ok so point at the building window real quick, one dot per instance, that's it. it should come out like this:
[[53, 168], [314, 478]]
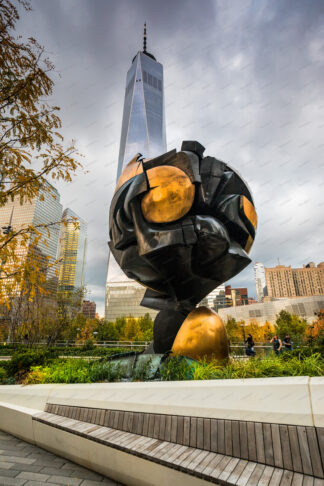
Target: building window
[[152, 80]]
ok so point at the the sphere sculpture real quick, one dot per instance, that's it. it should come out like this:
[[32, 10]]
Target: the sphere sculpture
[[181, 224]]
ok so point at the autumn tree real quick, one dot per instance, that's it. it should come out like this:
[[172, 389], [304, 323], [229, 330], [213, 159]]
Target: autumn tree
[[315, 332], [232, 329], [287, 323], [120, 323], [132, 330], [31, 145]]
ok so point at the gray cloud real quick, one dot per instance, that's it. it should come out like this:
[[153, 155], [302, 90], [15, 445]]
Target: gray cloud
[[245, 78]]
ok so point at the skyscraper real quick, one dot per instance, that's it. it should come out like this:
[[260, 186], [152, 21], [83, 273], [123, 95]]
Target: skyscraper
[[44, 209], [260, 281], [143, 131], [72, 254], [143, 125]]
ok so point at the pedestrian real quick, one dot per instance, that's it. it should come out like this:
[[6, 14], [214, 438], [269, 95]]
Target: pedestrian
[[249, 349], [287, 342], [276, 343]]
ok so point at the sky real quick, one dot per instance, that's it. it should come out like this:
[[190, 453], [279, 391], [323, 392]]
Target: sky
[[244, 78]]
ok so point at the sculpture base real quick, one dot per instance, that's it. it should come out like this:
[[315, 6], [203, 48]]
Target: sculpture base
[[202, 336]]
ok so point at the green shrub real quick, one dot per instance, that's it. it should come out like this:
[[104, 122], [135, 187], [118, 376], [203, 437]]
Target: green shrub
[[3, 375], [75, 371], [109, 371], [271, 365], [176, 368], [67, 371], [21, 362], [88, 345], [9, 350]]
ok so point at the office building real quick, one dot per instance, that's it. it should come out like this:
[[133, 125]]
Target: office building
[[124, 298], [282, 281], [72, 254], [260, 281], [143, 131], [216, 299], [237, 296], [44, 209], [89, 309], [305, 307]]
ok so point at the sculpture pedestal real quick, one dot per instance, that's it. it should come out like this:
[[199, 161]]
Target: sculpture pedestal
[[202, 336]]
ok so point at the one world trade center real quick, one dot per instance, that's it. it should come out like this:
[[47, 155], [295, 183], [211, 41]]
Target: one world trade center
[[143, 131]]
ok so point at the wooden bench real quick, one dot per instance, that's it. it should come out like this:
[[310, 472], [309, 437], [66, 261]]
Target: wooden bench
[[219, 451]]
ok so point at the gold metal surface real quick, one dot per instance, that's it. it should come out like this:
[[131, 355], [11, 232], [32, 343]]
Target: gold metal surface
[[248, 245], [133, 168], [249, 211], [170, 197], [202, 336]]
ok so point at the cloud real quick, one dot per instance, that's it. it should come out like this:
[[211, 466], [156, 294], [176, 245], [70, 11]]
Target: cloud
[[245, 78]]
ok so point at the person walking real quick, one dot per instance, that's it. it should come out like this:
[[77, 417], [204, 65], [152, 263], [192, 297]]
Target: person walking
[[287, 342], [249, 349], [276, 343]]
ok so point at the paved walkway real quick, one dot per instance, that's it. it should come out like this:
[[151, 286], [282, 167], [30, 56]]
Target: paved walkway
[[22, 464]]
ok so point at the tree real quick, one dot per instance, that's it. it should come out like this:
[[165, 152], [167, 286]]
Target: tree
[[132, 330], [260, 333], [31, 146], [87, 330], [120, 323], [315, 332], [233, 329], [287, 323], [146, 324], [107, 331]]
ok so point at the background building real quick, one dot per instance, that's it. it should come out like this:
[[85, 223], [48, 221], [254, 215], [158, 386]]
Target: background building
[[284, 281], [224, 296], [89, 309], [305, 307], [143, 131], [260, 281], [237, 296], [42, 210], [72, 254], [124, 299], [216, 299]]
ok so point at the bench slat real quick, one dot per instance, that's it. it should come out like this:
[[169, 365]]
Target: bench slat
[[314, 452], [266, 476], [304, 450], [295, 451]]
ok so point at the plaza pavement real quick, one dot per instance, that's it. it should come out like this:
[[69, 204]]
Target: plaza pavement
[[23, 464]]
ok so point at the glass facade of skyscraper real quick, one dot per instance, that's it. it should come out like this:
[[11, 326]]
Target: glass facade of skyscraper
[[143, 131], [45, 209], [72, 255], [260, 281], [143, 126]]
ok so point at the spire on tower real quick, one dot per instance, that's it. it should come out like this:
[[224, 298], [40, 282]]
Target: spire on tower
[[144, 46], [144, 38]]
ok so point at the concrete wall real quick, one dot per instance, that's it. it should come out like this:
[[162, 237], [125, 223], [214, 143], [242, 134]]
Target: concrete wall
[[291, 400], [267, 311]]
